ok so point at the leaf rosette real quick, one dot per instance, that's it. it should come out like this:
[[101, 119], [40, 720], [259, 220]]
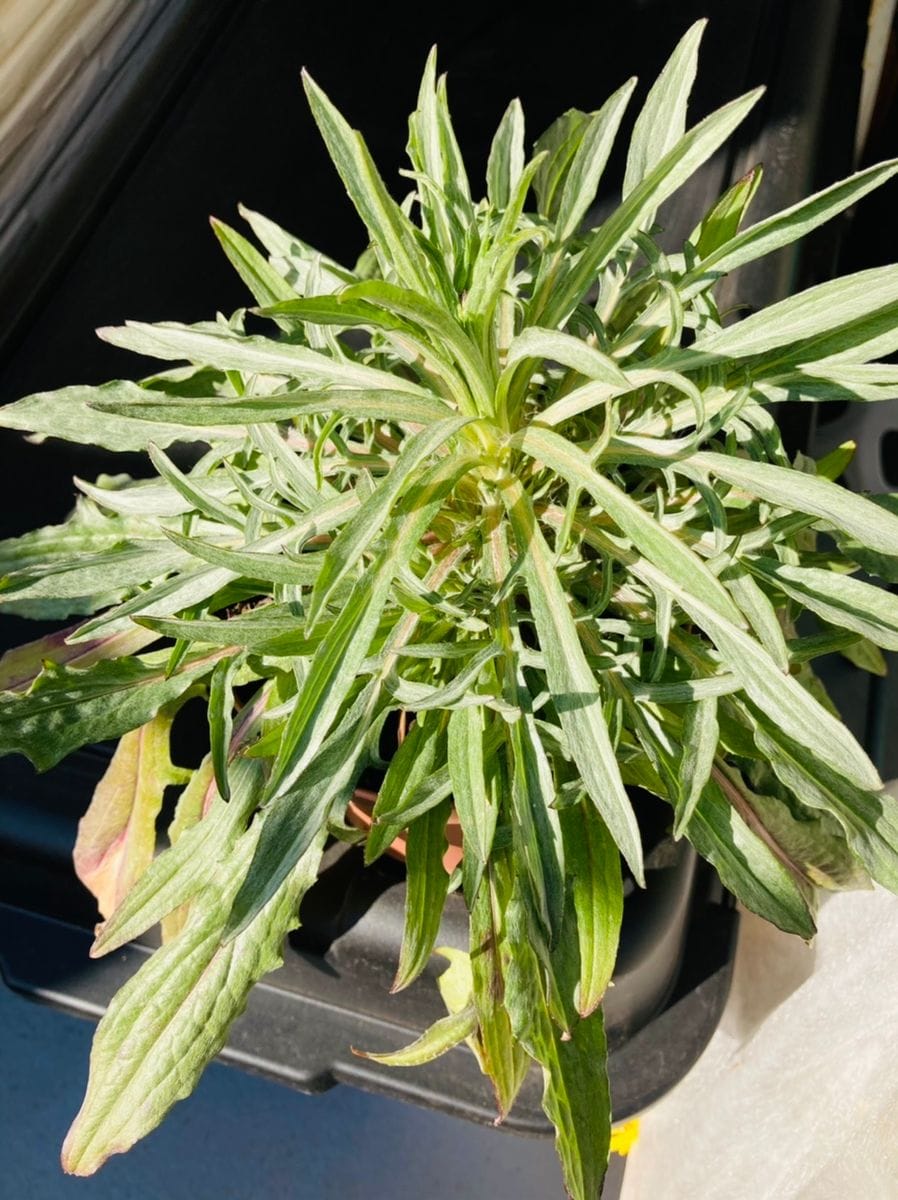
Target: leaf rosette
[[511, 476]]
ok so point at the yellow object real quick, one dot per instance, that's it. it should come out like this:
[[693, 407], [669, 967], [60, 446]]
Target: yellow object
[[624, 1137]]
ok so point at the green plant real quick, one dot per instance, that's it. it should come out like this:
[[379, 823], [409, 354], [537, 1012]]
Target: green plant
[[511, 474]]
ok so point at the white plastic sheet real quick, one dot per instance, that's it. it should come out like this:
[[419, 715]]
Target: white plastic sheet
[[796, 1097]]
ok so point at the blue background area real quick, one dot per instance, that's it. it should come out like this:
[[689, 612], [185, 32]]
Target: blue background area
[[240, 1137]]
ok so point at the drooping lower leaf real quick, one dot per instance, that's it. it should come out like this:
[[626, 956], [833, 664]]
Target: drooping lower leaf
[[67, 708], [117, 834], [173, 1016], [576, 1096]]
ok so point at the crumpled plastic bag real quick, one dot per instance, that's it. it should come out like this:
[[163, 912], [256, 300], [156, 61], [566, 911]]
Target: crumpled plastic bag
[[796, 1096]]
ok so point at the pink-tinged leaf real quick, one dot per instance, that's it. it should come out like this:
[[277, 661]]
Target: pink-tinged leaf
[[21, 666], [117, 835]]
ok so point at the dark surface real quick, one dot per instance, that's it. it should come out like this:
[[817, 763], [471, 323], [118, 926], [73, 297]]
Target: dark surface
[[241, 1138]]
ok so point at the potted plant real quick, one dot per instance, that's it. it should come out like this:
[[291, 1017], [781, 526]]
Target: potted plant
[[516, 479]]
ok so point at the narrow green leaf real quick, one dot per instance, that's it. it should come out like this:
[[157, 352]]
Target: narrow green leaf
[[205, 504], [839, 599], [761, 614], [474, 804], [810, 325], [293, 258], [300, 570], [533, 795], [792, 223], [572, 352], [426, 888], [571, 680], [107, 573], [189, 864], [678, 165], [701, 736], [67, 708], [871, 524], [747, 866], [441, 1036], [576, 1096], [69, 414], [339, 657], [667, 552], [391, 231], [502, 1058], [217, 346], [221, 718], [382, 404], [585, 171], [555, 148], [506, 159], [722, 223], [869, 818], [253, 630], [416, 780], [812, 839], [297, 817], [592, 863], [368, 521], [662, 120], [263, 281]]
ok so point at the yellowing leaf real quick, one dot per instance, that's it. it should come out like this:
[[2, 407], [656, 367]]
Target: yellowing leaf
[[117, 834]]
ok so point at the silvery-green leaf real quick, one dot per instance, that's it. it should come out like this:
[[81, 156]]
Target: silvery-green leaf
[[577, 695], [592, 862], [296, 818], [813, 324], [839, 599], [812, 838], [66, 708], [869, 818], [746, 865], [792, 223], [701, 736], [662, 120], [576, 1096], [585, 171], [368, 521], [69, 414], [184, 869], [476, 809], [506, 159], [392, 232], [667, 552], [501, 1056], [534, 342], [292, 258], [416, 780], [266, 285], [677, 165], [84, 574], [761, 614], [871, 524], [173, 1016], [229, 351]]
